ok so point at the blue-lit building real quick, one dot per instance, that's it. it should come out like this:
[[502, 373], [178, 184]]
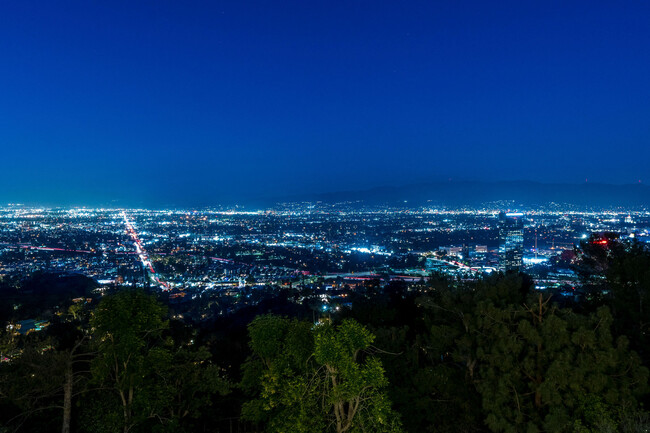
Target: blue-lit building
[[511, 241]]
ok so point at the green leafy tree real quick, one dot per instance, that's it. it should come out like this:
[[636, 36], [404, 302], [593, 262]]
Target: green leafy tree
[[43, 378], [448, 355], [540, 363], [428, 388], [536, 367], [616, 273], [127, 328], [193, 381], [353, 382], [31, 386], [316, 378], [628, 278]]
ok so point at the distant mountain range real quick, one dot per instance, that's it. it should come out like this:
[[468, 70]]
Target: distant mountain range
[[473, 193]]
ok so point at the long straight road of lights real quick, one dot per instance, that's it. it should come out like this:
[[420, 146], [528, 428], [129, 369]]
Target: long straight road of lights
[[142, 253]]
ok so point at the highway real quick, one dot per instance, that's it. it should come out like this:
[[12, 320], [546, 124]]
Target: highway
[[142, 253]]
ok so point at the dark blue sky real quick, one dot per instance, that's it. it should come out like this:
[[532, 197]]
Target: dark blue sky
[[173, 102]]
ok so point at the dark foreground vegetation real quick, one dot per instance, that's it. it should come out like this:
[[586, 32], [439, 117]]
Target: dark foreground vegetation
[[454, 356]]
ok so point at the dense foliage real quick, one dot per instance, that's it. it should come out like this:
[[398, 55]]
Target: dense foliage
[[321, 377], [445, 356]]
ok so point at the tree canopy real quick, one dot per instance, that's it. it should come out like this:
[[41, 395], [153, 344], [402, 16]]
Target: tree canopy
[[321, 377]]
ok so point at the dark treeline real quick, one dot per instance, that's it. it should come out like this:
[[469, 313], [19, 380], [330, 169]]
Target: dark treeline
[[448, 356]]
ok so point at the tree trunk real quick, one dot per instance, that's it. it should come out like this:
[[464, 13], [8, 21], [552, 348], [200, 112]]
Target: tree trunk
[[125, 412], [128, 412], [67, 397]]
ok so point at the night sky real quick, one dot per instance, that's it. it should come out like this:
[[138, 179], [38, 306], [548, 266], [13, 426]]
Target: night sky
[[192, 103]]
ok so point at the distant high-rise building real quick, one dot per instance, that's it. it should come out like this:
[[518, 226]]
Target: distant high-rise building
[[511, 241], [481, 249]]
